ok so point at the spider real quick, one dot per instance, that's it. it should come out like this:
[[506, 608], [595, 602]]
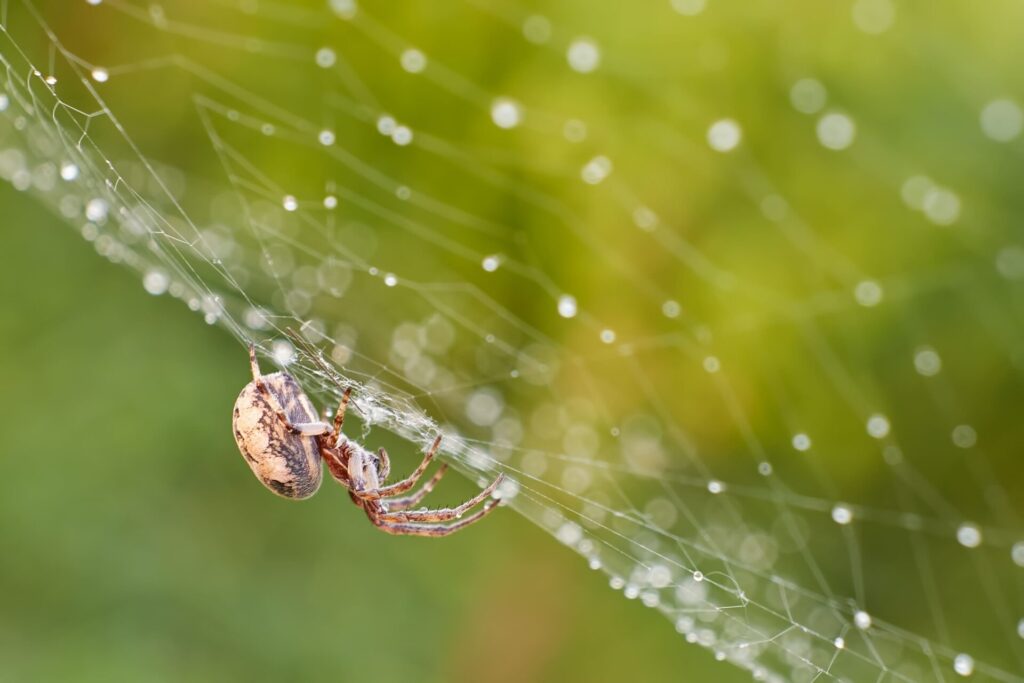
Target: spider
[[277, 431]]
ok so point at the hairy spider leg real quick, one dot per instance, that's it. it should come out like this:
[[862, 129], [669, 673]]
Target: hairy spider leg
[[303, 428], [432, 530], [383, 465], [396, 504], [441, 514], [405, 484], [339, 418]]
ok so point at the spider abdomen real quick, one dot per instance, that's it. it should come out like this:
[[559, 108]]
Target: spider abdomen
[[285, 462]]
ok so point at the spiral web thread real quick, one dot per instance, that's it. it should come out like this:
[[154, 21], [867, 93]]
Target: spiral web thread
[[740, 450]]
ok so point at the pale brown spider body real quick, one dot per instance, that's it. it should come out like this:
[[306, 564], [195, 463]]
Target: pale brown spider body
[[287, 463], [278, 433]]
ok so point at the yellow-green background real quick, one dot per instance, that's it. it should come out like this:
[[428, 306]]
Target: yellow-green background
[[137, 546]]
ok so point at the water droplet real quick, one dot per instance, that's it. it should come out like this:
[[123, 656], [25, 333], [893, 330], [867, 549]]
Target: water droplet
[[808, 95], [660, 576], [596, 170], [344, 9], [801, 442], [842, 514], [491, 263], [964, 436], [100, 75], [862, 620], [583, 55], [878, 426], [282, 351], [644, 218], [289, 203], [873, 16], [325, 58], [927, 361], [941, 206], [914, 190], [724, 135], [326, 137], [567, 306], [485, 406], [68, 171], [413, 61], [386, 125], [968, 535], [537, 29], [402, 136], [836, 131], [507, 489], [688, 8], [96, 210], [608, 336], [505, 113], [569, 533], [868, 293], [963, 664], [155, 282], [1017, 553], [1009, 261], [1002, 120]]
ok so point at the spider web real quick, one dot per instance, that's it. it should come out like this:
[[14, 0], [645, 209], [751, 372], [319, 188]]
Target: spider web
[[737, 315]]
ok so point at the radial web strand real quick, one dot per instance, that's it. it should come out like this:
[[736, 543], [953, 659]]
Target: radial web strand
[[628, 264]]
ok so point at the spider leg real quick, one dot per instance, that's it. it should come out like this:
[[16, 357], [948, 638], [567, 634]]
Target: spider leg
[[444, 514], [255, 366], [383, 465], [339, 418], [303, 428], [396, 504], [405, 484], [336, 466], [308, 428], [431, 530]]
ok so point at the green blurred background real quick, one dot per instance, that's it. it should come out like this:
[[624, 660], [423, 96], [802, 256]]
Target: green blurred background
[[136, 545]]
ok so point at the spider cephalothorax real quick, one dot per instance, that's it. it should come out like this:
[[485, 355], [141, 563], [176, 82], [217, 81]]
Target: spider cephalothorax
[[283, 441]]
